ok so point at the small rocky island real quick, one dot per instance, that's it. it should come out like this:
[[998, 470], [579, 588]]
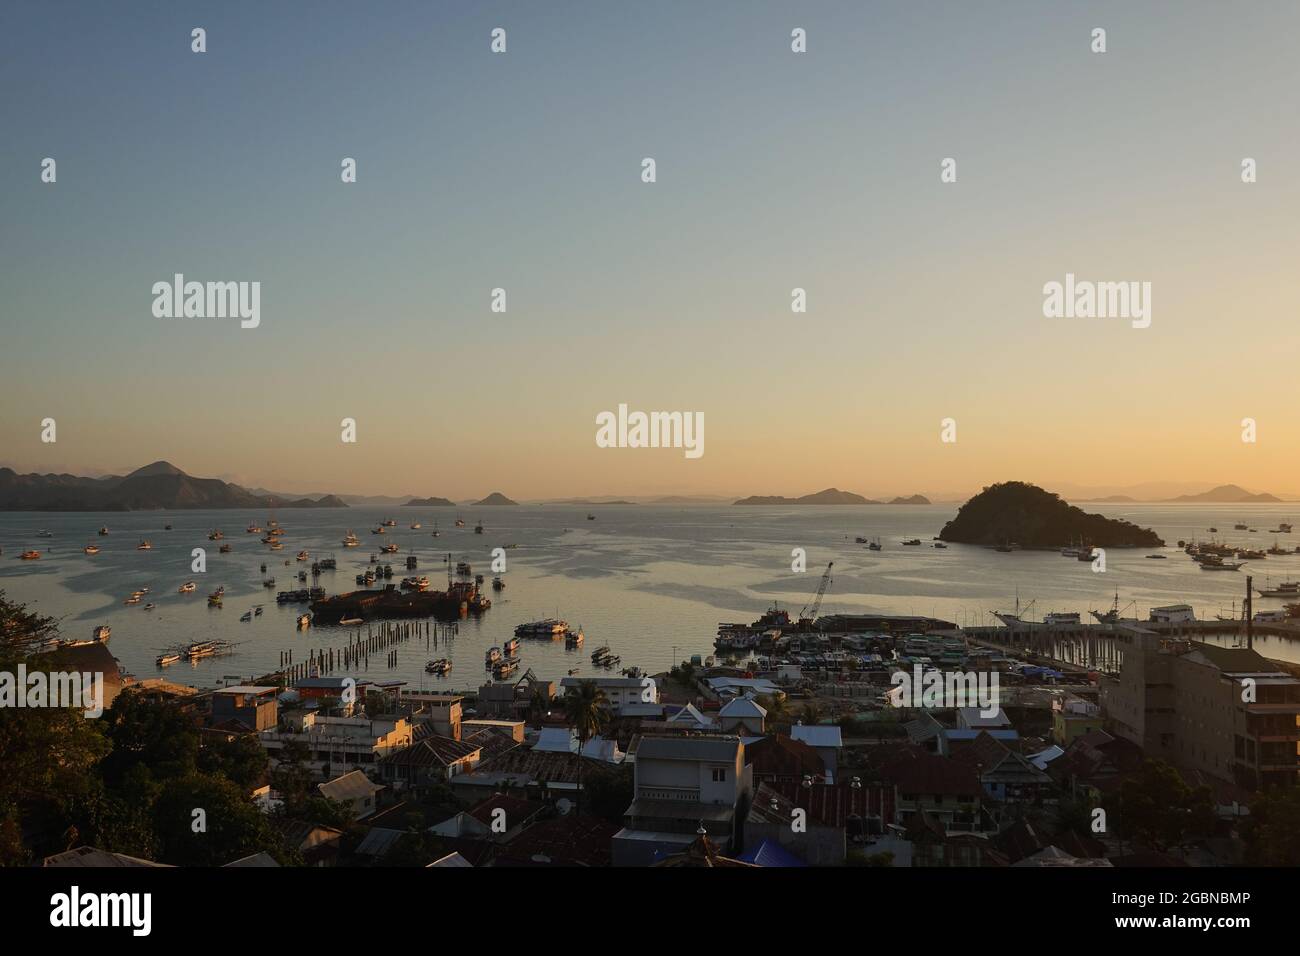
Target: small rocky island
[[429, 503], [829, 496], [495, 499], [1015, 512]]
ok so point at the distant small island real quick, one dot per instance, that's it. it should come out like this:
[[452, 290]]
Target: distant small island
[[830, 496], [155, 487], [1227, 494], [429, 503], [496, 498], [1015, 512]]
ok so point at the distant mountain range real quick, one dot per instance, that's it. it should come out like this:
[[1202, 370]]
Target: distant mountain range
[[429, 503], [830, 496], [155, 487]]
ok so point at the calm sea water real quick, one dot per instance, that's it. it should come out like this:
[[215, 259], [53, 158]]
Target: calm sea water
[[651, 582]]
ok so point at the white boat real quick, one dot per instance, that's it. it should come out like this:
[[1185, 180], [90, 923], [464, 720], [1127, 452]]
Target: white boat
[[549, 627], [351, 540], [144, 545], [165, 659], [415, 526], [187, 588], [304, 621], [150, 606], [440, 666], [90, 549], [349, 621]]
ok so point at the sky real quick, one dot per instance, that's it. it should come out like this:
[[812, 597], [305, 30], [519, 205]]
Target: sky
[[775, 170]]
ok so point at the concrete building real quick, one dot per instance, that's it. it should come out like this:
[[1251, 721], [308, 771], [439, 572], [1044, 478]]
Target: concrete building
[[1226, 711], [251, 707], [742, 716], [337, 744], [682, 784], [619, 690], [354, 790]]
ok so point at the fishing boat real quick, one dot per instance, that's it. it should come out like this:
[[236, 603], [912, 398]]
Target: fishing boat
[[1061, 619], [498, 584], [144, 545], [460, 522], [1287, 589], [590, 516], [103, 531], [304, 621], [492, 656], [101, 633], [435, 532], [303, 556], [349, 621], [226, 548], [441, 666], [166, 659], [601, 651], [875, 545], [549, 627], [90, 549], [167, 526], [1157, 557], [389, 548], [574, 638], [379, 530], [350, 541], [246, 616], [940, 545], [511, 646], [1239, 526], [150, 606], [912, 541], [214, 600], [268, 582], [277, 546], [200, 649], [44, 534], [215, 535], [504, 668], [415, 526], [463, 568], [1277, 550], [252, 528], [132, 600], [1283, 527], [478, 528]]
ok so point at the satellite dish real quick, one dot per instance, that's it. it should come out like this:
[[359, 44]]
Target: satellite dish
[[563, 805]]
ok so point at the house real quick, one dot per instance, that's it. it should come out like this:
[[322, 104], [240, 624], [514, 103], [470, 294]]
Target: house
[[973, 718], [318, 845], [347, 690], [92, 659], [254, 860], [89, 856], [354, 790], [825, 739], [499, 818], [949, 792], [565, 740], [512, 730], [453, 860], [430, 759], [1096, 764], [830, 815], [561, 841], [618, 690], [1072, 717], [254, 708], [443, 711], [1006, 775], [742, 716], [680, 785], [689, 718], [543, 775], [701, 852], [725, 688], [779, 758], [335, 744]]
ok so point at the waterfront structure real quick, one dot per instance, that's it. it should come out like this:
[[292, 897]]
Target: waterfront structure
[[618, 690]]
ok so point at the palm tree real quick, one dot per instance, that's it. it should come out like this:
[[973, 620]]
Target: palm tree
[[777, 711], [539, 704], [586, 712]]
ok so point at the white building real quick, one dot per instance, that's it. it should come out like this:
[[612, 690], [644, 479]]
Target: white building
[[619, 690], [1173, 614]]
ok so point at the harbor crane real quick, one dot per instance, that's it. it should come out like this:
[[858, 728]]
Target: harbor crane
[[809, 614]]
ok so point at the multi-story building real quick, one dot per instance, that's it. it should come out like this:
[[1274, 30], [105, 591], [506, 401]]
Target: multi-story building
[[1228, 712], [683, 783]]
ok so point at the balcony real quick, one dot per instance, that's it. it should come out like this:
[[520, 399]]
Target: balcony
[[668, 793]]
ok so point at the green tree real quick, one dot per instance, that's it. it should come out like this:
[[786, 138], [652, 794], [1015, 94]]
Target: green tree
[[586, 712], [1272, 831], [242, 760], [149, 734], [1158, 809], [228, 828]]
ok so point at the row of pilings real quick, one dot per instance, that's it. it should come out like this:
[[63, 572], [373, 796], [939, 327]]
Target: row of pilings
[[383, 638]]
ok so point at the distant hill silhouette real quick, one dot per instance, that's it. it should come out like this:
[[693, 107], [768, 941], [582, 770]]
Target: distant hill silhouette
[[496, 498], [158, 486], [830, 496], [429, 503], [1024, 514], [1227, 494]]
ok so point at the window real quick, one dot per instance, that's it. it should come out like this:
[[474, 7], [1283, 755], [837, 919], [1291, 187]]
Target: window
[[719, 774]]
